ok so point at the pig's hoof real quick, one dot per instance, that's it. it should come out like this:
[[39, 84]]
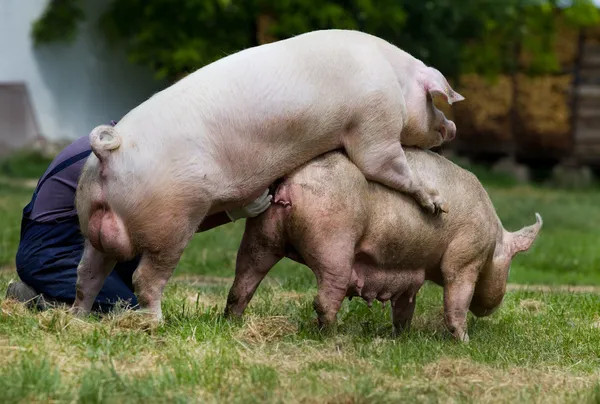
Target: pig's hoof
[[231, 314], [461, 336], [399, 331], [439, 204], [78, 312], [433, 203], [327, 327], [441, 207], [464, 338], [436, 206]]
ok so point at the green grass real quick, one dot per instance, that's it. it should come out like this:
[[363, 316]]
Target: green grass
[[538, 347], [545, 352], [24, 164]]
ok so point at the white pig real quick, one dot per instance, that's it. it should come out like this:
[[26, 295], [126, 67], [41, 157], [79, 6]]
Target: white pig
[[217, 138]]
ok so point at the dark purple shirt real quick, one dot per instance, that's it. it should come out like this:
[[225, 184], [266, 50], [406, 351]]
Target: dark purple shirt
[[56, 197]]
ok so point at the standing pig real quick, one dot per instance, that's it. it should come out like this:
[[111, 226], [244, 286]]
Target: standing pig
[[219, 137], [363, 239]]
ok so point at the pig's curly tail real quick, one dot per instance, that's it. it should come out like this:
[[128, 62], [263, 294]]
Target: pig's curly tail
[[103, 140]]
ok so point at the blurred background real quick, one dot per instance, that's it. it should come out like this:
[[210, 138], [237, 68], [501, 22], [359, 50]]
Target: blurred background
[[529, 69]]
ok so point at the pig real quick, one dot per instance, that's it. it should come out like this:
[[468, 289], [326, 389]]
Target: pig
[[361, 238], [216, 139]]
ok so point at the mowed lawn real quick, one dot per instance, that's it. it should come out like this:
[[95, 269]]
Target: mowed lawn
[[542, 345]]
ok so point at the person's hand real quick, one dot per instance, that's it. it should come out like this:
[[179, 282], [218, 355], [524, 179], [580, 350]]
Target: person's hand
[[253, 209]]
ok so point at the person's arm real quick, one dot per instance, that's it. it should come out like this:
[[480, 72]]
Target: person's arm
[[254, 208]]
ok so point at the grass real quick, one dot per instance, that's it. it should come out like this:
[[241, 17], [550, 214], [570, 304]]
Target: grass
[[540, 346], [25, 164]]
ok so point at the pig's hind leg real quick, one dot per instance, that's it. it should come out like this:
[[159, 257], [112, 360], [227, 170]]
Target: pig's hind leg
[[93, 269], [373, 144], [153, 273], [331, 261], [261, 248], [164, 236]]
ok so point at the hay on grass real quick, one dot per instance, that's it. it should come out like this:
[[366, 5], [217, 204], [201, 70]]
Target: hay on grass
[[262, 330]]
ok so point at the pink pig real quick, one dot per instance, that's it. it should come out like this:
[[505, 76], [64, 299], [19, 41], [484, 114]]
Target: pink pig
[[219, 137], [363, 239]]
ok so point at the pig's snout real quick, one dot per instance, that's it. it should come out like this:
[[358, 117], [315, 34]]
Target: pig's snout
[[448, 131]]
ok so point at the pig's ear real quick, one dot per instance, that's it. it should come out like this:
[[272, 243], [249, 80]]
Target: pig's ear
[[436, 85]]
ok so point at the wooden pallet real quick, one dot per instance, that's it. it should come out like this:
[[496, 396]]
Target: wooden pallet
[[586, 138]]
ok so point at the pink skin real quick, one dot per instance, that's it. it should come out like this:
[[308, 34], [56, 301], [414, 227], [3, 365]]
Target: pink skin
[[217, 138], [363, 239], [448, 132]]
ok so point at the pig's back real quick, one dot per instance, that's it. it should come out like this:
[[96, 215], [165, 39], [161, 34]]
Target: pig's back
[[329, 192], [256, 99], [400, 232]]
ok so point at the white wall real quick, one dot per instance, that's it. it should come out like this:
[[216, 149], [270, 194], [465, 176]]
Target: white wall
[[72, 87]]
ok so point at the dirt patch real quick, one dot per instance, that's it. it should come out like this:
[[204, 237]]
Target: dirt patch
[[554, 288], [19, 182], [140, 364], [486, 384], [532, 306], [207, 280], [292, 358], [8, 269], [203, 280], [450, 379]]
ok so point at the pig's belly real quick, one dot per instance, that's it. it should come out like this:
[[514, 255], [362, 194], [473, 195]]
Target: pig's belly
[[372, 282]]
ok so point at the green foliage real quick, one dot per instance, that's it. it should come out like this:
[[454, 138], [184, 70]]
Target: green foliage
[[582, 13], [177, 39], [456, 36], [25, 164], [59, 22], [513, 27]]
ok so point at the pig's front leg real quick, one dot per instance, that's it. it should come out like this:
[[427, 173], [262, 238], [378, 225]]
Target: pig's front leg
[[386, 163], [92, 271], [457, 298], [460, 267]]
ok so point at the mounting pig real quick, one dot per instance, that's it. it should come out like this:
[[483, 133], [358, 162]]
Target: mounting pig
[[363, 239], [219, 137]]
